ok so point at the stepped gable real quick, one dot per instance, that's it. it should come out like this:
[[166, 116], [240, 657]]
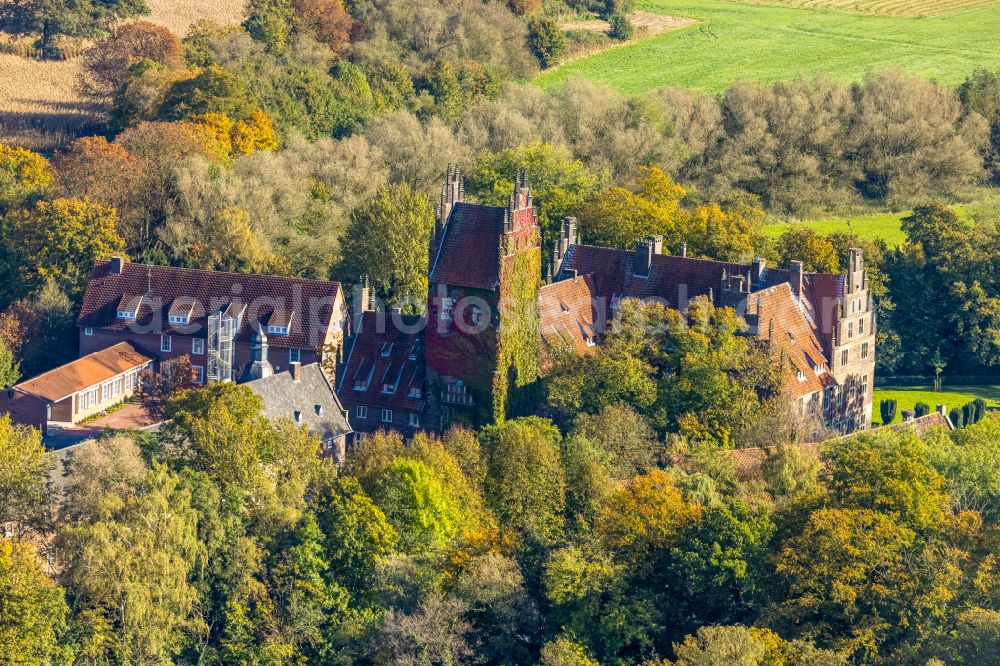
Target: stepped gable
[[468, 255]]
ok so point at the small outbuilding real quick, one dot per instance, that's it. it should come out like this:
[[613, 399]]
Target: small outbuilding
[[70, 393]]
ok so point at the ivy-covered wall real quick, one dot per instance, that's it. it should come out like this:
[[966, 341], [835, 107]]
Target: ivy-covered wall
[[515, 382]]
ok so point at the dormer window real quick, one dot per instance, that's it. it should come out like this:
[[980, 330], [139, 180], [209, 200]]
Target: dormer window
[[802, 375], [413, 352], [477, 315], [319, 410], [298, 416], [126, 314], [279, 323], [415, 392], [818, 369], [178, 319], [590, 341], [277, 330], [386, 348], [447, 309]]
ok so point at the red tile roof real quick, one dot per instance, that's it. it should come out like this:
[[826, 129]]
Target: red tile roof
[[469, 253], [794, 335], [571, 314], [85, 372], [381, 353], [166, 291]]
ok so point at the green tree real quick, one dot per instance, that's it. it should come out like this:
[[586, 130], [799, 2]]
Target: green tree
[[564, 651], [270, 22], [525, 483], [49, 20], [212, 89], [10, 368], [887, 409], [418, 505], [620, 27], [24, 176], [33, 610], [23, 476], [815, 251], [547, 40], [624, 435], [127, 571], [386, 243], [559, 183]]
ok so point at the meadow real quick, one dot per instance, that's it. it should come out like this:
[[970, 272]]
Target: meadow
[[950, 396], [876, 226], [736, 40]]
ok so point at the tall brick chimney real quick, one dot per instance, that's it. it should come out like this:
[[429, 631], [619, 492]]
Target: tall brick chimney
[[797, 278], [644, 251], [295, 370], [115, 268]]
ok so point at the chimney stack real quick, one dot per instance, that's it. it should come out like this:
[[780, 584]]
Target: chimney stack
[[644, 251], [684, 249], [757, 269], [797, 279], [942, 410], [115, 268], [295, 369]]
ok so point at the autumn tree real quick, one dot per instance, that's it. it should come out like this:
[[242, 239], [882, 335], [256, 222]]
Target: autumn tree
[[10, 367], [59, 240], [325, 20], [386, 242], [157, 388], [618, 217], [24, 176], [107, 63]]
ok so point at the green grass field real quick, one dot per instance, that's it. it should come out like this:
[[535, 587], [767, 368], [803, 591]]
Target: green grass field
[[950, 396], [885, 226], [735, 40]]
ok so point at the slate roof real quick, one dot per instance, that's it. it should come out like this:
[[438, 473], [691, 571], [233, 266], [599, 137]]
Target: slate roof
[[380, 354], [312, 397], [469, 253], [86, 372], [671, 278], [572, 314], [793, 334], [166, 290]]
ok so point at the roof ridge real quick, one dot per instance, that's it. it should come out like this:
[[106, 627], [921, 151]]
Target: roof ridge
[[103, 262]]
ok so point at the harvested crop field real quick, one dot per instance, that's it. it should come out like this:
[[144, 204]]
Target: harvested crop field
[[179, 15], [650, 23]]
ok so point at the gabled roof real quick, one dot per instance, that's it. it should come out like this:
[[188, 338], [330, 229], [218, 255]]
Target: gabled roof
[[168, 290], [84, 373], [312, 397], [794, 334], [671, 278], [469, 253], [571, 314], [403, 365]]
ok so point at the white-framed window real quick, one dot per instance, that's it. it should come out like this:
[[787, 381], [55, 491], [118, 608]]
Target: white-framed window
[[415, 392], [166, 343], [801, 376], [361, 412], [864, 350], [104, 392], [199, 373], [447, 309], [277, 330], [128, 382], [386, 349], [126, 314], [477, 315], [414, 419], [87, 330], [178, 319], [844, 356], [197, 346], [864, 387], [294, 355], [386, 416]]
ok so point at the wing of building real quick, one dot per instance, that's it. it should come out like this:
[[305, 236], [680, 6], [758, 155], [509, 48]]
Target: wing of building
[[210, 316]]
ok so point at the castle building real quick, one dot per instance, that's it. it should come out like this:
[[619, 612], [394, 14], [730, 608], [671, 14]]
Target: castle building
[[479, 351]]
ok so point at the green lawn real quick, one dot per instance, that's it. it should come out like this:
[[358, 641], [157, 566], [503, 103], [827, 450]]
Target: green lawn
[[885, 226], [950, 396], [768, 43]]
